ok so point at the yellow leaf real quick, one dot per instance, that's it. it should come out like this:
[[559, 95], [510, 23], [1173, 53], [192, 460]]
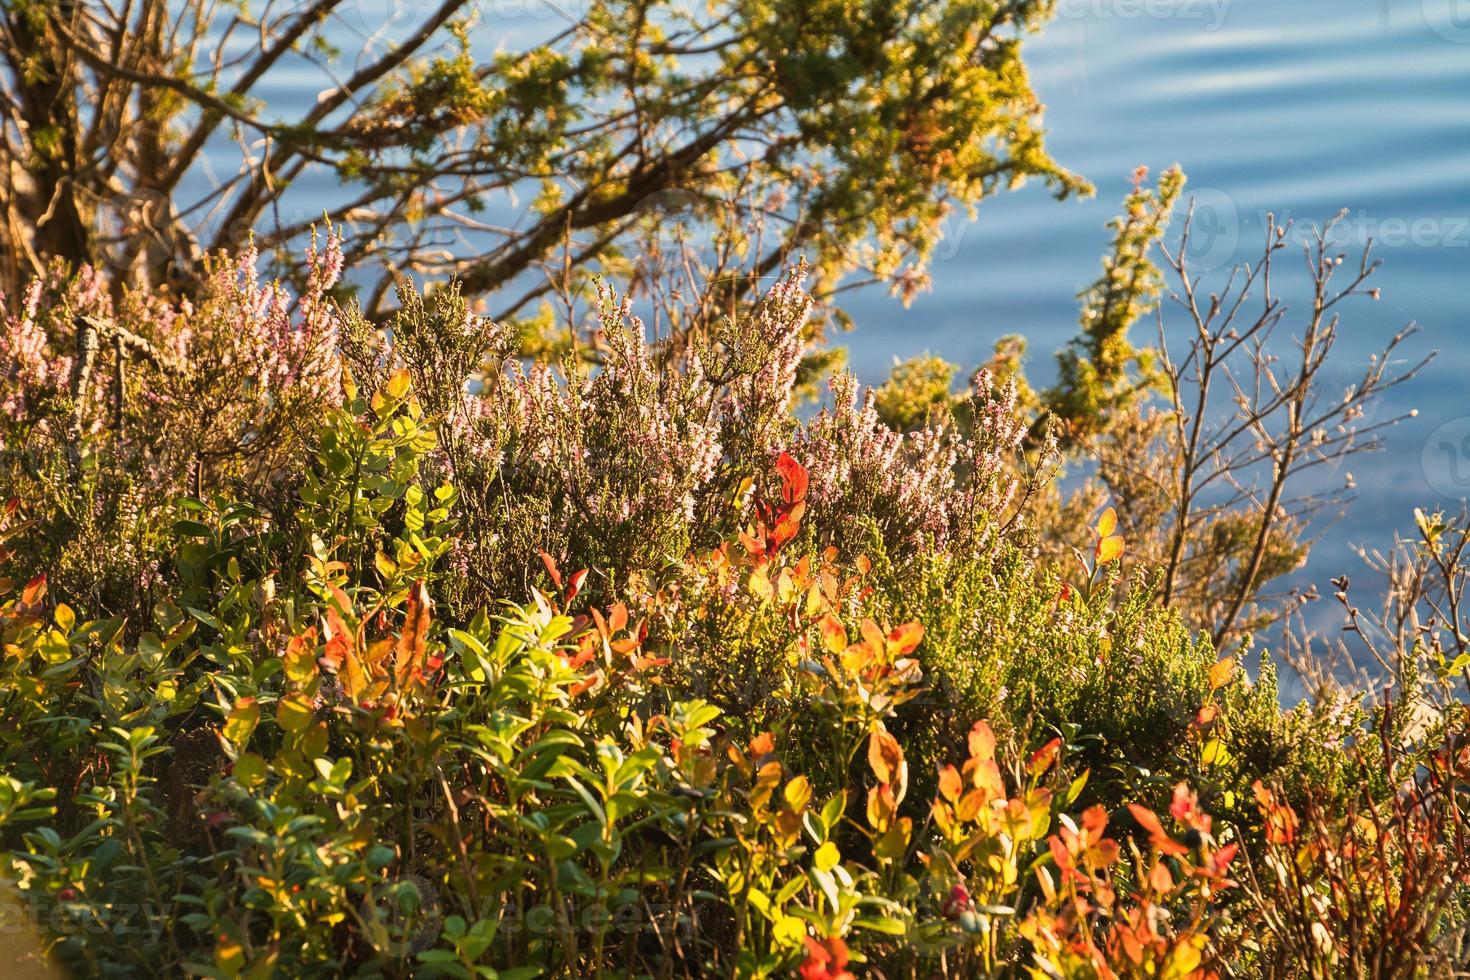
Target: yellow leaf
[[398, 384], [1213, 752], [293, 713], [760, 585], [798, 793], [241, 722], [827, 856], [789, 930], [300, 657], [1107, 523], [1221, 673], [1109, 549]]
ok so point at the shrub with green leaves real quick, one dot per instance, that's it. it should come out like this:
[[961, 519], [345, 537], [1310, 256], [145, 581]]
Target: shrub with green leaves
[[489, 669]]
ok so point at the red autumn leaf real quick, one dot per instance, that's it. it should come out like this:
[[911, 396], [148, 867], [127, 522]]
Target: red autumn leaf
[[825, 960], [34, 591], [785, 530], [551, 568], [585, 684], [1182, 804], [793, 478], [1157, 835], [575, 585]]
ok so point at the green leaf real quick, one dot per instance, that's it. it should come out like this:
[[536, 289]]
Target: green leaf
[[241, 722]]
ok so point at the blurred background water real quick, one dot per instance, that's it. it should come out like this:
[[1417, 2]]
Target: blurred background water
[[1301, 107]]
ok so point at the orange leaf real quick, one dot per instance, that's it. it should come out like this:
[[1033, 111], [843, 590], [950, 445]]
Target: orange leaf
[[617, 618], [874, 636], [950, 785], [762, 745], [985, 775], [885, 756], [905, 638], [982, 741], [1043, 757], [834, 634], [1094, 821], [34, 591], [412, 648], [1147, 820], [786, 530], [1109, 549]]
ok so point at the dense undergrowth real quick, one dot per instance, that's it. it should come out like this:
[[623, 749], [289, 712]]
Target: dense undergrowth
[[331, 650]]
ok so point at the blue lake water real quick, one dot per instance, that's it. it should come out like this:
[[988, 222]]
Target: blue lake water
[[1301, 107]]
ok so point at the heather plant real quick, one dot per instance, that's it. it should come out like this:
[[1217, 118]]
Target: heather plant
[[483, 667], [116, 407]]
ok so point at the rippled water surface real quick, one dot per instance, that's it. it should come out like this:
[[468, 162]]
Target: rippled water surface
[[1301, 107]]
